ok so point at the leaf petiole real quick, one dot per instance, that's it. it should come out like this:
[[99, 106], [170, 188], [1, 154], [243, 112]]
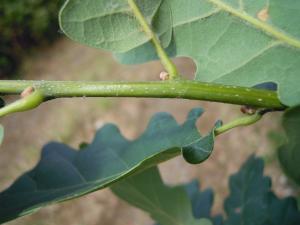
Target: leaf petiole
[[239, 122], [164, 58], [28, 102]]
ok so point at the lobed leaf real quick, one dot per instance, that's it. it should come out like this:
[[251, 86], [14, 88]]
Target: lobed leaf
[[289, 154], [237, 42], [251, 200], [111, 25], [166, 205], [202, 202], [196, 153], [64, 173]]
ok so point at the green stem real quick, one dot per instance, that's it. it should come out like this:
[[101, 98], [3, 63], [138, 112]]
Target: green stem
[[24, 104], [185, 89], [243, 121], [165, 60]]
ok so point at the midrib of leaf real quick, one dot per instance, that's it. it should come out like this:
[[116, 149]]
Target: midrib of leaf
[[283, 37]]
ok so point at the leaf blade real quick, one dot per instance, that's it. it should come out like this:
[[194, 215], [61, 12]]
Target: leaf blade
[[289, 154], [167, 205], [232, 46], [64, 173], [251, 200], [111, 25]]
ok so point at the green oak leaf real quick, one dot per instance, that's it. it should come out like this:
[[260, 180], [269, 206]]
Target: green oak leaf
[[237, 42], [1, 134], [196, 153], [111, 25], [166, 205], [251, 201], [202, 202], [289, 154], [64, 173]]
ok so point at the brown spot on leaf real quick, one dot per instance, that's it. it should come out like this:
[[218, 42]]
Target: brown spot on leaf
[[263, 14]]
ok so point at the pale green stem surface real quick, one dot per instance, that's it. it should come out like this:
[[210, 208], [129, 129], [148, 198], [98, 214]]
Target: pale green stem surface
[[185, 89], [164, 58]]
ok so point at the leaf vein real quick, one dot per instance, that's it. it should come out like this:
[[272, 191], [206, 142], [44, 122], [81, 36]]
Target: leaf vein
[[272, 31]]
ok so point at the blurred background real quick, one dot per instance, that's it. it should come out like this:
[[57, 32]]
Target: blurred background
[[32, 47], [24, 25]]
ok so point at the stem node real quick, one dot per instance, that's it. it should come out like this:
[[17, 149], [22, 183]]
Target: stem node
[[30, 99]]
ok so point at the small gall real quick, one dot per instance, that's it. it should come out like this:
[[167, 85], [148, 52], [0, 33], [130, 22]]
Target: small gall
[[263, 14], [164, 76], [27, 92], [248, 110]]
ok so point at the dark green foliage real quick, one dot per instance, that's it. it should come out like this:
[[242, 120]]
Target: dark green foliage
[[251, 201], [25, 24], [197, 153], [166, 205], [2, 102], [289, 154], [267, 86], [202, 202], [64, 173]]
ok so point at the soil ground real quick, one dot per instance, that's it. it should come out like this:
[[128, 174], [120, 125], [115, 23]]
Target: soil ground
[[73, 121]]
